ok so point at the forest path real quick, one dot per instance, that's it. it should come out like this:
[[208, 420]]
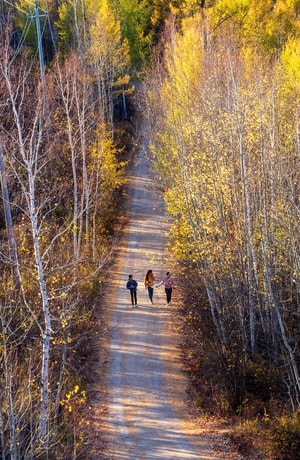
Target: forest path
[[147, 416]]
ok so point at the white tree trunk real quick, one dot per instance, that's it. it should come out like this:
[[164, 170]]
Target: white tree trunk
[[9, 224]]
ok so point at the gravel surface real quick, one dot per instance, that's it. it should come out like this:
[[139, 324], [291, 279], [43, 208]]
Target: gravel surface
[[147, 415]]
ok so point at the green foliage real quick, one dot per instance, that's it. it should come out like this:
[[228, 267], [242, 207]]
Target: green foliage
[[65, 26], [135, 20]]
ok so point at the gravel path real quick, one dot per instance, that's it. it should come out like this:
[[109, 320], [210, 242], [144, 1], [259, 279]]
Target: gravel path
[[146, 389]]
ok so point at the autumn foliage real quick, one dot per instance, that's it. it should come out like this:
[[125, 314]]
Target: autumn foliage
[[221, 100], [225, 138], [61, 168]]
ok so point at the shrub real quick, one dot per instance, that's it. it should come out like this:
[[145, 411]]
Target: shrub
[[285, 438]]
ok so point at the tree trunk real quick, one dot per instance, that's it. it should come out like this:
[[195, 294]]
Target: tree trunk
[[9, 224]]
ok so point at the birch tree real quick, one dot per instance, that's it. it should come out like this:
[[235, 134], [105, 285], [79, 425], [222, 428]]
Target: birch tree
[[221, 146], [108, 55], [29, 154]]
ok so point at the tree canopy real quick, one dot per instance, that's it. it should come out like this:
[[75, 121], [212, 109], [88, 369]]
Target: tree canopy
[[221, 88]]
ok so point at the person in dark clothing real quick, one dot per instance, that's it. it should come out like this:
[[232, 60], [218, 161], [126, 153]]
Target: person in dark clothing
[[168, 282], [132, 286]]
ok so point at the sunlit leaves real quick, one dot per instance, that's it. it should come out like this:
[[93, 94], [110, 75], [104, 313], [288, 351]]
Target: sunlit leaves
[[73, 398], [63, 170], [106, 42], [226, 146], [277, 21], [290, 58]]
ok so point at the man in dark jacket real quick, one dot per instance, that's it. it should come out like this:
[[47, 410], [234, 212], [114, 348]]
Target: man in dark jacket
[[132, 286]]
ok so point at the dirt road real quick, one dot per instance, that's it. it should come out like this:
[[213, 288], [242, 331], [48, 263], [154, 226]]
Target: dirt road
[[147, 417]]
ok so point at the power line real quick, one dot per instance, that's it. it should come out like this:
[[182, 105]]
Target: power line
[[20, 9], [22, 40], [37, 15], [15, 6]]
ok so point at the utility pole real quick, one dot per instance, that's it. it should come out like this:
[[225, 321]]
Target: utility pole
[[37, 17], [39, 37]]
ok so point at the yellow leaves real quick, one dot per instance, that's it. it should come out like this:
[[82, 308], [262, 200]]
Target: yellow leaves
[[262, 23], [155, 17], [107, 48], [61, 341], [223, 10], [122, 81], [73, 398], [64, 323], [190, 7], [105, 156], [290, 59], [184, 62], [72, 392]]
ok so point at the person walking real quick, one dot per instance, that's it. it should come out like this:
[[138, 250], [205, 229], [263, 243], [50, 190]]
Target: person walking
[[132, 286], [168, 282], [149, 284]]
